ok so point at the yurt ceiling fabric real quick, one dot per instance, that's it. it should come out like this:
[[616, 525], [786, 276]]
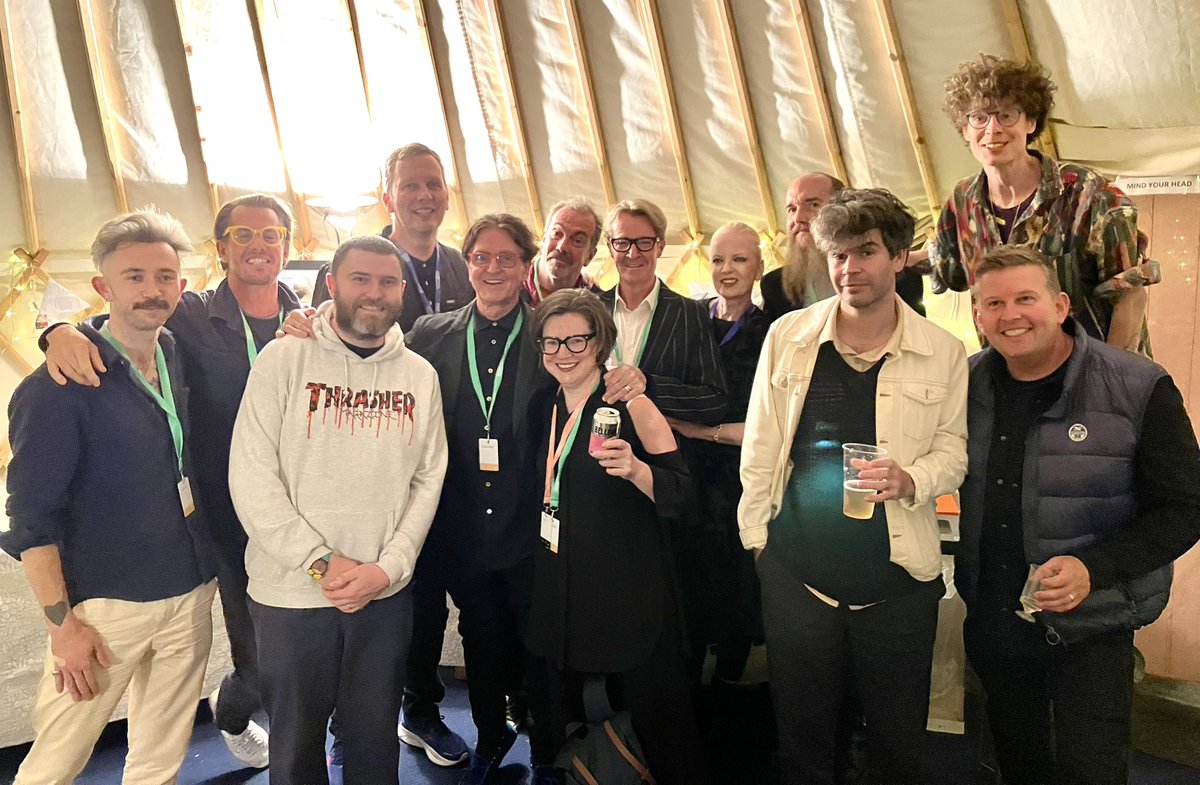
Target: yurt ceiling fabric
[[119, 103]]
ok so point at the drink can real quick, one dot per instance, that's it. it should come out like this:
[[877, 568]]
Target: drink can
[[606, 424]]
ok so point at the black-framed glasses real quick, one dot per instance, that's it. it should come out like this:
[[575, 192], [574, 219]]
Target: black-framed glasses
[[244, 235], [1007, 117], [505, 260], [575, 344], [623, 244]]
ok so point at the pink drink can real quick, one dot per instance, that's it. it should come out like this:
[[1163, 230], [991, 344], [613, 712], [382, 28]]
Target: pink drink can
[[606, 424]]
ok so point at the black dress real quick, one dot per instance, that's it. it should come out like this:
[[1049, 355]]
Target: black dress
[[607, 602]]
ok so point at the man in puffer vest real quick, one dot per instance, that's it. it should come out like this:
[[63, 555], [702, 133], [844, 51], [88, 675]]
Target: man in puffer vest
[[1083, 475]]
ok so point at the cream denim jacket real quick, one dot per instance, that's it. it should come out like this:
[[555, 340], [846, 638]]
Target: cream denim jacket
[[920, 417]]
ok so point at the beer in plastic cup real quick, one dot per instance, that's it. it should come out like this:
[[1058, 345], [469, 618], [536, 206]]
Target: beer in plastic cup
[[855, 502]]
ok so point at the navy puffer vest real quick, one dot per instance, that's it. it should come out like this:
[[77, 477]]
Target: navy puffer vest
[[1078, 480]]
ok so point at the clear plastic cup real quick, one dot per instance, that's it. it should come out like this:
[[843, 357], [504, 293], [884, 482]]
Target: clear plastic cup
[[856, 498]]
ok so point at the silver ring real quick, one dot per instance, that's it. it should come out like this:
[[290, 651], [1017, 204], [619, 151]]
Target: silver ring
[[1072, 596], [628, 388]]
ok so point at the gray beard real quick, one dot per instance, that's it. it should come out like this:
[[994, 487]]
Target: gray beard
[[806, 271], [362, 329]]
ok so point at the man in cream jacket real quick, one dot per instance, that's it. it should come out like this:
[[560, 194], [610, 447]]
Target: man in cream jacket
[[848, 601], [338, 457]]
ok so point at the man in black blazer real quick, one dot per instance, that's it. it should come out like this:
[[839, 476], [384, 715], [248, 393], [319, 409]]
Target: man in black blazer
[[416, 198], [480, 547], [665, 347]]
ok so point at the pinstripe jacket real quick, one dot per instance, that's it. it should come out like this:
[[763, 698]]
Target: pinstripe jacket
[[683, 369]]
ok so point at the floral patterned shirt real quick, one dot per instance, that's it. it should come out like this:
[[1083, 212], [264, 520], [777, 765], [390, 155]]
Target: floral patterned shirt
[[1077, 218]]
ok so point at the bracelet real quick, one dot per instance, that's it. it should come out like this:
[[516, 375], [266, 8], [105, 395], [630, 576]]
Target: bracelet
[[717, 433]]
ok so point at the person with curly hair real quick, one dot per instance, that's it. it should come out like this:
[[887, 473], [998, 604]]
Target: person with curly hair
[[1070, 213]]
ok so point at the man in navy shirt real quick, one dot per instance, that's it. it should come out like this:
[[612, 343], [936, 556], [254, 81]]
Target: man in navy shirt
[[220, 333], [101, 515]]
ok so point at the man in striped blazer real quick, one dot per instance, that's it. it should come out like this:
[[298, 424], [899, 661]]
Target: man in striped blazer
[[664, 347]]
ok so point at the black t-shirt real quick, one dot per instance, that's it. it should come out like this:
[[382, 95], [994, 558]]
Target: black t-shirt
[[263, 330], [362, 351]]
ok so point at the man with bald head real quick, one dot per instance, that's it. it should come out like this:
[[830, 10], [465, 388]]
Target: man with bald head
[[569, 244], [804, 278]]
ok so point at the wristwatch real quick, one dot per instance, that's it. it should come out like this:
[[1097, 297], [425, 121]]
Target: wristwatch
[[317, 569]]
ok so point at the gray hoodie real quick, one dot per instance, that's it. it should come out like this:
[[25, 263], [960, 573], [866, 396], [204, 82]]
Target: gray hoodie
[[335, 453]]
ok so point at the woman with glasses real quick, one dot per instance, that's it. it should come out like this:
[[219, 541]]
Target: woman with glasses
[[605, 601], [1069, 212]]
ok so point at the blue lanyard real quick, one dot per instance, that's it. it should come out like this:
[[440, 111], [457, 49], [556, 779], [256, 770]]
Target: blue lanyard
[[436, 305], [712, 311]]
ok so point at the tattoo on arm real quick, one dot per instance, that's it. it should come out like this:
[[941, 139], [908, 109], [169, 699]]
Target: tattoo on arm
[[57, 613]]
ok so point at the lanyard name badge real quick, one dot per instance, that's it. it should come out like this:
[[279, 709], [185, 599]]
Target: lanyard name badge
[[616, 352], [489, 448], [251, 346], [712, 311], [436, 305], [555, 461], [166, 402]]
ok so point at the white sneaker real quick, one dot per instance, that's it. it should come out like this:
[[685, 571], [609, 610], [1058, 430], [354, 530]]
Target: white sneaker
[[249, 746]]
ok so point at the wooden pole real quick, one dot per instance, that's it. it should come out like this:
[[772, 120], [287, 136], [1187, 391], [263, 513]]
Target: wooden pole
[[256, 13], [112, 145], [451, 162], [812, 65], [1018, 36], [652, 26], [33, 238], [734, 52], [586, 86], [908, 104], [508, 85], [214, 196]]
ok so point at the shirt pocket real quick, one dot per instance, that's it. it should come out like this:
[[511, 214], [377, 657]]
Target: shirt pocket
[[921, 410]]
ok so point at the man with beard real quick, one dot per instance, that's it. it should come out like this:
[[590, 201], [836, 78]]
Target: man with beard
[[219, 333], [416, 198], [804, 279], [329, 569], [569, 245], [101, 515]]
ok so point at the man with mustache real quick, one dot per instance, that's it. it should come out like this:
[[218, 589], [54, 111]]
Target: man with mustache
[[569, 245], [102, 516], [220, 333], [329, 570], [416, 198]]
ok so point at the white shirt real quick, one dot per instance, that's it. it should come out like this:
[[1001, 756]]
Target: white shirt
[[632, 325]]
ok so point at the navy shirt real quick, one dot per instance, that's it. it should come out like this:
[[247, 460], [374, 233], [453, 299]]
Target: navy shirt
[[94, 472]]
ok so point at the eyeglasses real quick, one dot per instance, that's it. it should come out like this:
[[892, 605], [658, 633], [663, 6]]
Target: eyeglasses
[[244, 235], [574, 343], [980, 118], [623, 244], [481, 259]]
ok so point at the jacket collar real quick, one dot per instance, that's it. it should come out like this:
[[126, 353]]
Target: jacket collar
[[224, 305], [805, 330]]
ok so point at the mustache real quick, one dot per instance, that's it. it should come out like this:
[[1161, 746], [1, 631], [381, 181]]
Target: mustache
[[152, 305]]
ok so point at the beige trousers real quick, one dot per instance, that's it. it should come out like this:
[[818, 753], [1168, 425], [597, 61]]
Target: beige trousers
[[159, 650]]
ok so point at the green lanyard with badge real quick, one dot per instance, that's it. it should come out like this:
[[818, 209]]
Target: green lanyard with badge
[[251, 346], [489, 448], [166, 402]]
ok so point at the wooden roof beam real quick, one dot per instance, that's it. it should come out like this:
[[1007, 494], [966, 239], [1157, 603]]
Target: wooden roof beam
[[456, 194], [1018, 36], [112, 146], [587, 87], [908, 103], [214, 196], [33, 239], [812, 65]]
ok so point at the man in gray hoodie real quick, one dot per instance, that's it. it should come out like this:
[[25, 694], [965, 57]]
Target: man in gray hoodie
[[336, 469]]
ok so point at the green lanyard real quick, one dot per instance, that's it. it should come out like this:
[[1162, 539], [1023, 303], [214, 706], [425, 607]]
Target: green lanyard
[[251, 347], [473, 366], [165, 400], [556, 460], [645, 332]]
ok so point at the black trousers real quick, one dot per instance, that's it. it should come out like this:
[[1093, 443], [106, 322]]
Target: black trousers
[[493, 608], [657, 695], [240, 688], [814, 653], [1059, 714], [316, 660]]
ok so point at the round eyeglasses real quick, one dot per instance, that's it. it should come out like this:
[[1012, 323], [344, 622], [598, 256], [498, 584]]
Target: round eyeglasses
[[244, 235], [481, 259], [575, 343], [1006, 117]]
